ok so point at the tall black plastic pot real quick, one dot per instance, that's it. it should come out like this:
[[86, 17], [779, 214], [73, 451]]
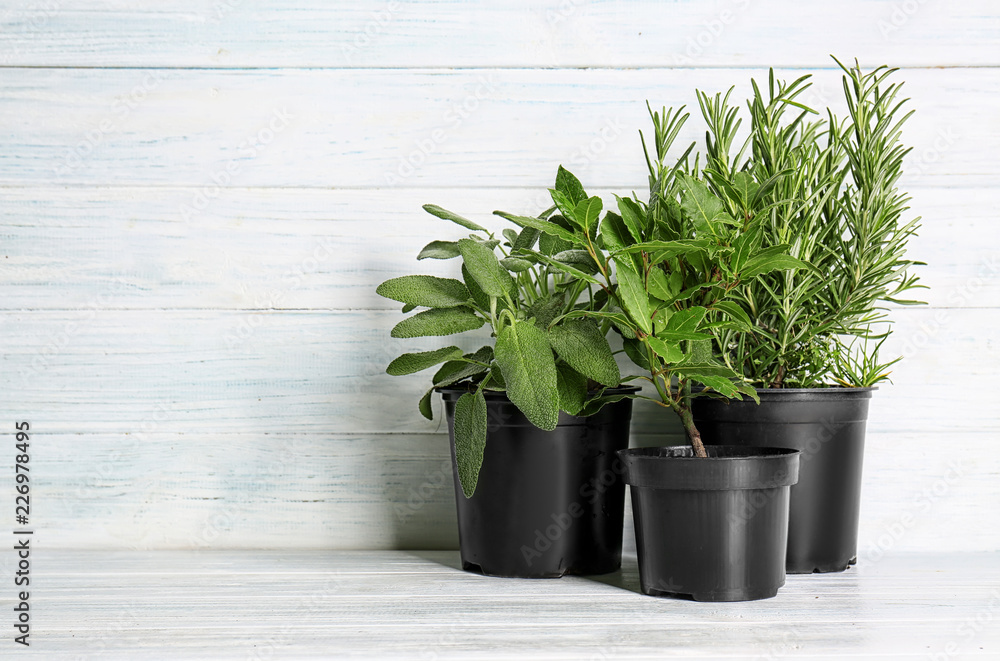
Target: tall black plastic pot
[[828, 426], [712, 529], [548, 503]]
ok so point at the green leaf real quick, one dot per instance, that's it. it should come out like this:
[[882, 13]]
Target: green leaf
[[660, 285], [720, 384], [746, 188], [409, 363], [578, 259], [666, 249], [746, 389], [409, 307], [425, 291], [680, 336], [566, 207], [582, 346], [621, 323], [736, 313], [766, 187], [495, 379], [456, 370], [704, 208], [544, 310], [424, 405], [618, 319], [564, 267], [633, 295], [527, 238], [470, 439], [475, 291], [572, 388], [550, 245], [444, 214], [529, 370], [614, 234], [482, 263], [637, 353], [701, 351], [515, 264], [687, 320], [439, 250], [570, 186], [588, 213], [633, 217], [743, 246], [438, 322], [510, 235], [544, 226], [770, 259], [669, 352], [594, 405]]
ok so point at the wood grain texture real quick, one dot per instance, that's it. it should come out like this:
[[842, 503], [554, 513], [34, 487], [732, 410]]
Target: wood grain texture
[[199, 490], [341, 128], [281, 249], [177, 370], [555, 33], [419, 605]]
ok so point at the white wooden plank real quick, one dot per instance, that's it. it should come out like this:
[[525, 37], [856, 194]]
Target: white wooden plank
[[341, 491], [178, 371], [255, 249], [386, 33], [388, 128], [372, 605], [395, 492]]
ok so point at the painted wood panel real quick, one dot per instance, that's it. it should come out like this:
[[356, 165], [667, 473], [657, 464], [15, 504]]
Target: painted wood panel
[[403, 605], [256, 249], [198, 199], [200, 489], [336, 128], [555, 33]]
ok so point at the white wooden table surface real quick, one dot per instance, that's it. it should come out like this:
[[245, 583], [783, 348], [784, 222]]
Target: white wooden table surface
[[420, 605]]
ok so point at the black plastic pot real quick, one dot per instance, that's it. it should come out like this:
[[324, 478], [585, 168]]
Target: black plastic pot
[[828, 426], [712, 529], [548, 503]]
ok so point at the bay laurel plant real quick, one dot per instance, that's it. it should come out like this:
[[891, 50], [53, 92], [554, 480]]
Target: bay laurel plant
[[678, 259], [828, 188], [534, 287], [664, 271]]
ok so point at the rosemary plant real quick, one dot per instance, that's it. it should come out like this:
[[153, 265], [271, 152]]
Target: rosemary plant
[[835, 202]]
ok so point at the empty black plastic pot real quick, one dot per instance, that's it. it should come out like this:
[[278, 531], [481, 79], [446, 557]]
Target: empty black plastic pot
[[712, 529], [548, 503], [828, 426]]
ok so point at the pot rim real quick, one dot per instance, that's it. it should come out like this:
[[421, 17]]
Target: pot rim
[[823, 393], [747, 468], [497, 394]]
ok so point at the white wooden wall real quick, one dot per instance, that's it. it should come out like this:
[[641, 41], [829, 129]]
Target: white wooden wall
[[198, 200]]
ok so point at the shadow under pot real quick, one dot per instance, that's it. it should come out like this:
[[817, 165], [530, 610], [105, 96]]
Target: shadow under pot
[[547, 503], [827, 425], [711, 529]]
